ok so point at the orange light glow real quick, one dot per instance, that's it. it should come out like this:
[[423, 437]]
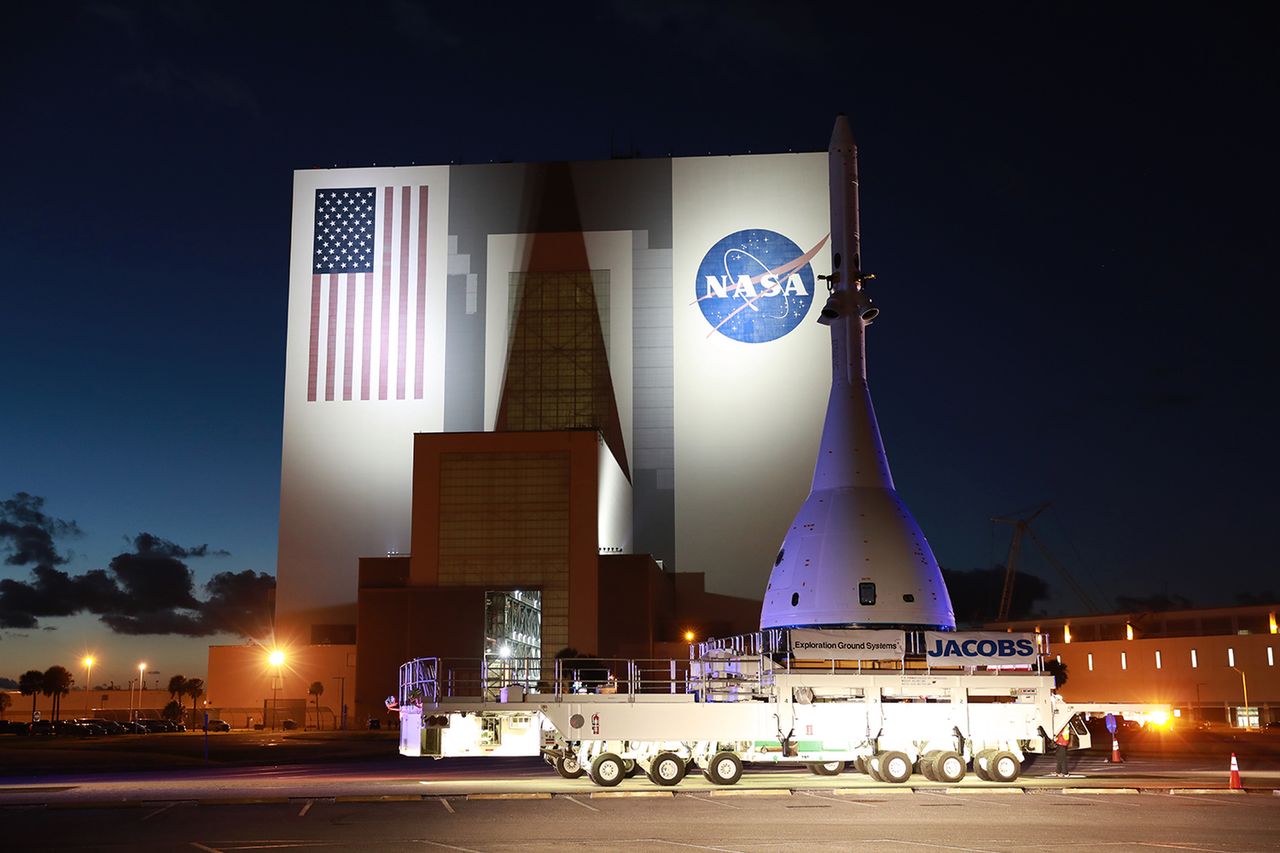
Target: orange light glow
[[1273, 624], [1066, 633], [88, 661], [1128, 631], [276, 658], [689, 636]]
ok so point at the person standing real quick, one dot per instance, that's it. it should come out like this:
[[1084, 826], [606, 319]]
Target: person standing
[[1061, 741]]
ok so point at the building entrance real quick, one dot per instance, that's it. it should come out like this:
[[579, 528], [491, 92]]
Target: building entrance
[[513, 637]]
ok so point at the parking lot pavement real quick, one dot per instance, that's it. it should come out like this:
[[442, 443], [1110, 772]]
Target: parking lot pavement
[[748, 823]]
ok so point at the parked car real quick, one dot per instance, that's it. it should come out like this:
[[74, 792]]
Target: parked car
[[42, 728], [1273, 726], [135, 728], [157, 726], [288, 725], [219, 726], [109, 727], [13, 727]]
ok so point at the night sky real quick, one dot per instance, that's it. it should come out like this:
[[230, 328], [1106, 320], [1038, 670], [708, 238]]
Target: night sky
[[1070, 211]]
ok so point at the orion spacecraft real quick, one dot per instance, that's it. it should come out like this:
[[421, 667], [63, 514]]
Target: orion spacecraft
[[854, 556]]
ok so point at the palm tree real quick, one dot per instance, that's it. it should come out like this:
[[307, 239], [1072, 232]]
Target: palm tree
[[315, 690], [31, 683], [56, 682], [5, 701], [195, 689]]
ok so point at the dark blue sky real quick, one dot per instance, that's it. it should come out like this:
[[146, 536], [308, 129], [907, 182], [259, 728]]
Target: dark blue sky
[[1071, 211]]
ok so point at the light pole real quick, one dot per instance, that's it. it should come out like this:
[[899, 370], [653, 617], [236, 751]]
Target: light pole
[[88, 681], [1244, 683], [142, 668], [276, 659], [342, 698]]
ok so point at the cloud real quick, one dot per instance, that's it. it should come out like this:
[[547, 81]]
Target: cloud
[[148, 590], [27, 533]]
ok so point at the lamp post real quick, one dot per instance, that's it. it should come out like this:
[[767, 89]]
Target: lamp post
[[276, 659], [88, 680], [1244, 684], [142, 669], [342, 698]]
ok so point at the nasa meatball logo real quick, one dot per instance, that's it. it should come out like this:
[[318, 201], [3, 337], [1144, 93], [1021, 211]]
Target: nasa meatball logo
[[755, 286]]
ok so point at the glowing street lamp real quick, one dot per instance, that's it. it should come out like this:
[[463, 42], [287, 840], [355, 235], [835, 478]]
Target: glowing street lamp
[[142, 668], [689, 636], [88, 679], [276, 659]]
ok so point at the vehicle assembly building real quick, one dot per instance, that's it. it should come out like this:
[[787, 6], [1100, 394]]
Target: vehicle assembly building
[[515, 391]]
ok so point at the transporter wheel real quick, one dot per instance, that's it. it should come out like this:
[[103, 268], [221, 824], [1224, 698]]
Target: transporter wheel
[[666, 769], [860, 764], [926, 766], [895, 767], [980, 761], [873, 767], [725, 768], [1004, 767], [568, 766], [827, 768], [631, 768], [607, 770], [948, 767]]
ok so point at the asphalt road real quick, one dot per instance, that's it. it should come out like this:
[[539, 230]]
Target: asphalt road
[[745, 820]]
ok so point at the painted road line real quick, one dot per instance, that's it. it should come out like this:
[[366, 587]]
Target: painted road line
[[244, 801], [839, 800], [199, 846], [1228, 791], [306, 808], [444, 846], [540, 795], [682, 844], [577, 803], [752, 792], [447, 806], [951, 791], [871, 792], [713, 802], [160, 810], [604, 795], [1101, 791]]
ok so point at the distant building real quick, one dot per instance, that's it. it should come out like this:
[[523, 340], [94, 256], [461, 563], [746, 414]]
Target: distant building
[[1199, 661], [519, 397]]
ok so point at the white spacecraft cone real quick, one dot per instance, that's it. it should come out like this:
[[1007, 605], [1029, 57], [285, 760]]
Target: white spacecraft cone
[[854, 556]]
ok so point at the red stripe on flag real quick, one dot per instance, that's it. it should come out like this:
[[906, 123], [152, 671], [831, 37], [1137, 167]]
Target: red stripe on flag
[[331, 353], [313, 356], [367, 343], [421, 338], [349, 345], [403, 317], [388, 205]]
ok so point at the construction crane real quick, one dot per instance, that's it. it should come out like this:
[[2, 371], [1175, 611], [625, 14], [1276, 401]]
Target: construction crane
[[1022, 526]]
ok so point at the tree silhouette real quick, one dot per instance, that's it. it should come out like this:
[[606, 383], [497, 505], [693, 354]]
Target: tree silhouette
[[56, 682], [31, 683], [315, 690], [194, 687], [173, 711], [5, 701]]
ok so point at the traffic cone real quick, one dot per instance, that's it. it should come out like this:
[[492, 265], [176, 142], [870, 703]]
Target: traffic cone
[[1236, 784], [1115, 751]]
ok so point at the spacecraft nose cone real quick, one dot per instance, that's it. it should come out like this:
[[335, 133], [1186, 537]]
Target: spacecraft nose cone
[[841, 135]]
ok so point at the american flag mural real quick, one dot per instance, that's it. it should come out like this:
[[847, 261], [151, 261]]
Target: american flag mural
[[368, 294]]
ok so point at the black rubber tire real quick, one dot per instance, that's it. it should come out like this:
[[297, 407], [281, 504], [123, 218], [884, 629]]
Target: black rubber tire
[[568, 767], [829, 768], [925, 765], [980, 760], [631, 767], [1004, 767], [725, 768], [607, 770], [666, 769], [860, 764], [948, 767], [895, 767], [873, 767]]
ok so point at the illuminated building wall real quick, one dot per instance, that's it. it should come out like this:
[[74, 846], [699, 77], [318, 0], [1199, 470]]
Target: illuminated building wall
[[421, 299]]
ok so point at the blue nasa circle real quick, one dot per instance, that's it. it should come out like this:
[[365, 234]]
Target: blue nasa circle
[[742, 293]]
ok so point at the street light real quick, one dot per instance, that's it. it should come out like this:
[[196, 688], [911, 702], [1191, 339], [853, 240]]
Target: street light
[[1244, 683], [142, 669], [342, 698], [276, 659], [88, 678]]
